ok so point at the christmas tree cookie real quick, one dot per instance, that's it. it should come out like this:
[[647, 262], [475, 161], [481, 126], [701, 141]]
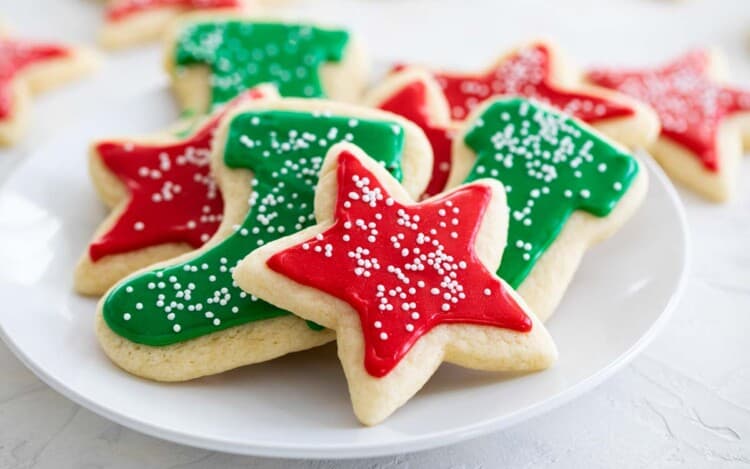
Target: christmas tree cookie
[[705, 124], [186, 318], [405, 285], [212, 58], [567, 185], [164, 201]]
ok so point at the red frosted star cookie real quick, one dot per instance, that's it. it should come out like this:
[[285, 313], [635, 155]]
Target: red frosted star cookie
[[164, 200], [703, 121], [29, 67], [535, 70], [405, 285], [130, 22]]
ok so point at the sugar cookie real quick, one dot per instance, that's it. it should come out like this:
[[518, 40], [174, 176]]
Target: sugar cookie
[[186, 318], [568, 187], [212, 58], [536, 70], [405, 285], [704, 122], [164, 201]]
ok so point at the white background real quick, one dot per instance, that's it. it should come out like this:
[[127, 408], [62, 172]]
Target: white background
[[684, 402]]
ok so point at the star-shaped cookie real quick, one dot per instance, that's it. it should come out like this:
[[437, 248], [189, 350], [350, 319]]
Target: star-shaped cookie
[[30, 67], [164, 201], [186, 317], [703, 121], [405, 285], [131, 22], [536, 71]]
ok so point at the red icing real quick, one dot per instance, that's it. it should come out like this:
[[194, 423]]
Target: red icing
[[394, 263], [527, 74], [690, 105], [411, 103], [124, 8], [15, 56], [172, 196]]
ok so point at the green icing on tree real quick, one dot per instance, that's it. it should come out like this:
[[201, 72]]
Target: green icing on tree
[[550, 166], [243, 54], [284, 150]]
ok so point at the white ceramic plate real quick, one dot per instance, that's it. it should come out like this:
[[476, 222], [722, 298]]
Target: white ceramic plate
[[298, 406]]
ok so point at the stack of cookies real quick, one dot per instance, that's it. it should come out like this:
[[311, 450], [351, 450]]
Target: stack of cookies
[[436, 216]]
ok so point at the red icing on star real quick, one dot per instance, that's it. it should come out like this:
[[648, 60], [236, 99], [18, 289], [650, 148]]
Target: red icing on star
[[172, 196], [404, 268], [411, 103], [124, 8], [690, 105], [15, 55], [527, 74]]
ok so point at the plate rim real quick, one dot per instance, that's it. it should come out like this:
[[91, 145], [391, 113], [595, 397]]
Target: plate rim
[[415, 444]]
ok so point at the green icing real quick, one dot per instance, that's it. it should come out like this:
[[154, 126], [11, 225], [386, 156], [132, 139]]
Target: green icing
[[550, 166], [243, 54], [284, 150]]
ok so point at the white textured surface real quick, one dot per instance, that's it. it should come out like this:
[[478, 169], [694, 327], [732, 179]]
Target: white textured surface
[[684, 402]]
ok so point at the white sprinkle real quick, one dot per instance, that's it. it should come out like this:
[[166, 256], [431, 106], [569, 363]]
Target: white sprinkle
[[176, 328]]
